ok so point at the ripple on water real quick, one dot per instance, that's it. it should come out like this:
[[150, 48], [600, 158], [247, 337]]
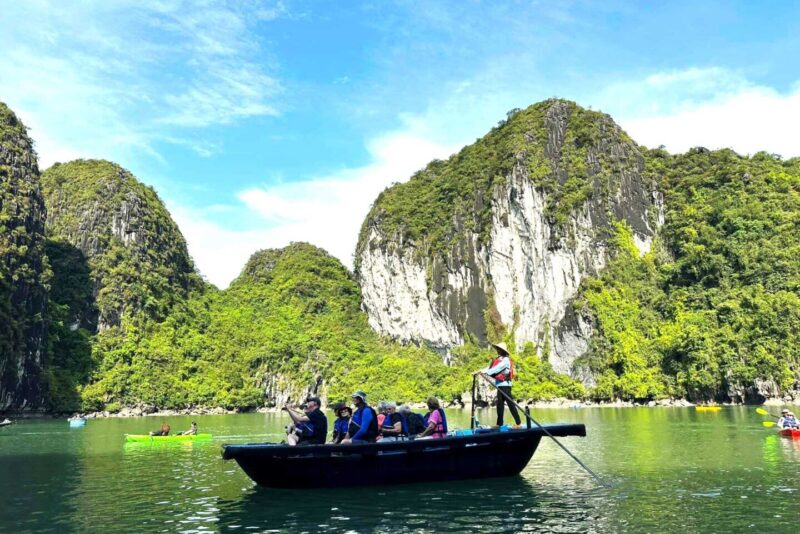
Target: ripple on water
[[670, 471]]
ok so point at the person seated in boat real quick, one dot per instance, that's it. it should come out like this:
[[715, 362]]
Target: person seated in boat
[[435, 420], [343, 413], [163, 431], [789, 421], [782, 418], [311, 427], [413, 422], [391, 428], [380, 409], [191, 432], [364, 423]]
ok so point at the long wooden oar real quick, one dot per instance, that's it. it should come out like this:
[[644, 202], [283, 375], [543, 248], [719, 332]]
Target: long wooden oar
[[543, 429]]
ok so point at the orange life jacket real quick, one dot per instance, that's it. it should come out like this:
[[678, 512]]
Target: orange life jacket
[[502, 376]]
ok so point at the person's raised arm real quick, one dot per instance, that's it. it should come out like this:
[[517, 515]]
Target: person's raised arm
[[296, 415]]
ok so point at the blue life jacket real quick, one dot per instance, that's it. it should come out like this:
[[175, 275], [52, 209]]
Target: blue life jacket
[[387, 423], [340, 425], [441, 427], [355, 424]]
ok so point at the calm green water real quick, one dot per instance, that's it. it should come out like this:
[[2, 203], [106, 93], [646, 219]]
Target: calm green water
[[672, 469]]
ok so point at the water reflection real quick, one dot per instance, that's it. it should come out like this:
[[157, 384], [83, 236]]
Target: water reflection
[[39, 505], [673, 470], [494, 505]]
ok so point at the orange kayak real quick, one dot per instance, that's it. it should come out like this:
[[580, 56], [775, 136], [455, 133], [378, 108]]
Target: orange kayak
[[790, 433]]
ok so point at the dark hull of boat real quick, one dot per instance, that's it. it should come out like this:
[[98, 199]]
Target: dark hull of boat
[[493, 454]]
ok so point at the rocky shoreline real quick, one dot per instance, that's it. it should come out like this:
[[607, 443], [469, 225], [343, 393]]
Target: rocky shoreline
[[151, 411]]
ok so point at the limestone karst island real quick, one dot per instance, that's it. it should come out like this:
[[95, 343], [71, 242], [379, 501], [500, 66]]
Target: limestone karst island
[[282, 266]]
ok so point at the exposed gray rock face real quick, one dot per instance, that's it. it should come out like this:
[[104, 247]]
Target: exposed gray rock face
[[23, 272], [527, 270]]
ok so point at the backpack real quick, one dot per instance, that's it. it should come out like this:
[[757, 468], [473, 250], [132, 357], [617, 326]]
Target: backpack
[[414, 424]]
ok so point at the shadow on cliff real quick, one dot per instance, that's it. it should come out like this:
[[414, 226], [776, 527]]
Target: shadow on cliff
[[72, 318]]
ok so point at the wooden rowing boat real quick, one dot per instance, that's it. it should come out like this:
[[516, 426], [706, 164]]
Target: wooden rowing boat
[[479, 455]]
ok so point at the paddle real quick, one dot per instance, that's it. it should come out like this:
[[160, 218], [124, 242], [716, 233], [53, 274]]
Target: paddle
[[543, 429], [762, 411], [768, 424]]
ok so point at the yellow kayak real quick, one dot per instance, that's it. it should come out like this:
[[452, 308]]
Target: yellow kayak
[[708, 408]]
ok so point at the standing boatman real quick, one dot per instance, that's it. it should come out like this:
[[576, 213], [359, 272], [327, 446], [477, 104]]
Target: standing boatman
[[502, 371]]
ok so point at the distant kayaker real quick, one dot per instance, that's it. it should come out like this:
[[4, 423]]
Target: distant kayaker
[[163, 431], [364, 423], [343, 413], [435, 420], [311, 427], [788, 420], [502, 371], [191, 432]]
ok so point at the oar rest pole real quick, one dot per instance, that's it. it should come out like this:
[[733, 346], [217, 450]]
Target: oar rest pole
[[472, 416], [543, 429]]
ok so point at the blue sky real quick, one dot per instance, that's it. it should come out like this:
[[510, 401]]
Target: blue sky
[[261, 123]]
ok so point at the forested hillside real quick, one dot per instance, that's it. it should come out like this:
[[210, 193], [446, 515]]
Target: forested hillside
[[290, 325], [686, 281], [713, 312], [119, 263]]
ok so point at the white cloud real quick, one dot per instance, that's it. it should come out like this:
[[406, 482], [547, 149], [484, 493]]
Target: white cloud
[[749, 121], [114, 78], [711, 107], [326, 211]]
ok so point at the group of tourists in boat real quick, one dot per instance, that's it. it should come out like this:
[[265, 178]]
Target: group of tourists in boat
[[391, 422]]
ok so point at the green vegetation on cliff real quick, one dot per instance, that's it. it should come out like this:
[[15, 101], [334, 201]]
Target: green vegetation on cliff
[[138, 262], [119, 264], [23, 269], [289, 325], [555, 143], [714, 311]]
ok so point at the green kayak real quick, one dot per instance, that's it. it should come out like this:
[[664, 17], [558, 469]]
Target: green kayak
[[140, 438]]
